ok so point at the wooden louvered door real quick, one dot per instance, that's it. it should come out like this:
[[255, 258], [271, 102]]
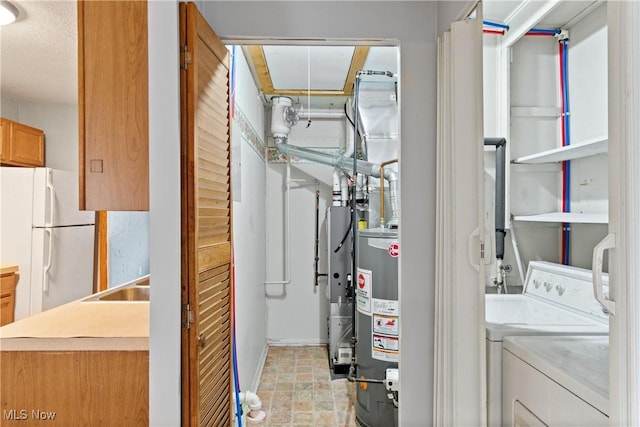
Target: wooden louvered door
[[206, 224]]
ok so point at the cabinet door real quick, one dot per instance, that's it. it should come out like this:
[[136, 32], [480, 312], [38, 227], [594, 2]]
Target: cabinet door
[[6, 309], [22, 145], [7, 299], [4, 140], [113, 105]]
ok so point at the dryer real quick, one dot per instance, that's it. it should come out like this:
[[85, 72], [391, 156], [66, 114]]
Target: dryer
[[556, 300], [556, 381]]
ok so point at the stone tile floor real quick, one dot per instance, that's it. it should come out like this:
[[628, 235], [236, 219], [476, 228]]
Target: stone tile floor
[[296, 390]]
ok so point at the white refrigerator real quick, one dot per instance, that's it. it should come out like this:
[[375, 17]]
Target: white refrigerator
[[46, 236]]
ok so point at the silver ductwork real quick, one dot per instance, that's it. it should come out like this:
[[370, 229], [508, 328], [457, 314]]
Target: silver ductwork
[[346, 164], [283, 116]]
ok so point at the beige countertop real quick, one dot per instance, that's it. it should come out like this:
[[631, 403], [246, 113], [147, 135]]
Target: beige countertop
[[82, 325], [8, 269]]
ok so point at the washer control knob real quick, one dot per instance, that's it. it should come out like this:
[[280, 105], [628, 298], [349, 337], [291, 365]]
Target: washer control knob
[[560, 289], [536, 283], [548, 286]]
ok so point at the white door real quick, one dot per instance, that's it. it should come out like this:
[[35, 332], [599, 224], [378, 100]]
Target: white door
[[460, 390], [624, 212], [62, 266]]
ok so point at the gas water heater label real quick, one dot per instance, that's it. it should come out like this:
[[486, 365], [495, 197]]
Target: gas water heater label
[[363, 291], [385, 306], [385, 329]]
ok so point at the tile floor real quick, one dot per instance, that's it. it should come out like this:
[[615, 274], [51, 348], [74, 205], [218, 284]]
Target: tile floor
[[296, 390]]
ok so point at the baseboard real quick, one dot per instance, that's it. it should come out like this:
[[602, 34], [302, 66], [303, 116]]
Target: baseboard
[[256, 378], [296, 342]]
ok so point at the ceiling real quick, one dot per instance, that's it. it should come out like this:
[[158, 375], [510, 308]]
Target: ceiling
[[317, 76], [39, 53]]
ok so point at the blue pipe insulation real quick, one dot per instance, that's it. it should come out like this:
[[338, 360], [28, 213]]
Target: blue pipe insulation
[[234, 350], [236, 379], [544, 31], [495, 24]]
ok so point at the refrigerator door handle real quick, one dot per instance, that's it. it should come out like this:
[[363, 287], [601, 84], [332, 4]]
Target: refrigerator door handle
[[45, 272], [52, 200]]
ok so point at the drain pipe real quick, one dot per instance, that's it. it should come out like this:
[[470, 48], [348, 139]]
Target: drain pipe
[[500, 208], [287, 238], [256, 414]]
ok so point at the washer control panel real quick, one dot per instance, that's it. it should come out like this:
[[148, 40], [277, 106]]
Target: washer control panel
[[565, 285]]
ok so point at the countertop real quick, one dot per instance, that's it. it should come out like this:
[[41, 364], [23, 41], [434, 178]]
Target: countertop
[[8, 269], [82, 325]]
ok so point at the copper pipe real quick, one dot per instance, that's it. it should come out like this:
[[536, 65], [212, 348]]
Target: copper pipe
[[382, 165]]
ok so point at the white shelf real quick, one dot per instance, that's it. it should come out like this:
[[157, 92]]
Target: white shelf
[[571, 217], [586, 148]]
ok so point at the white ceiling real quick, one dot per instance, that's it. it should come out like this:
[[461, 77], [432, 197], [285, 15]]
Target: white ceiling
[[39, 53], [300, 67]]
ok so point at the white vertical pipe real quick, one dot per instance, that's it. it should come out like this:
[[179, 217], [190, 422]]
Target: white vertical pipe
[[287, 251]]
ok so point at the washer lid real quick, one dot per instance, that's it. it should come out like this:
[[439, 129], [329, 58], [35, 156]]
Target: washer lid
[[521, 315], [578, 363]]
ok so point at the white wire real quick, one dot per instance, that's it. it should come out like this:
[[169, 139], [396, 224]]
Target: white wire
[[308, 85]]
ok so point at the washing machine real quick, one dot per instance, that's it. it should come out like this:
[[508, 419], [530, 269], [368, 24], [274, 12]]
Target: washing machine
[[556, 381], [556, 300]]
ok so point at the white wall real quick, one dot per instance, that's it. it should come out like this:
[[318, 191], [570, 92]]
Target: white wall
[[164, 216], [534, 81], [248, 160], [588, 79], [59, 123], [299, 300]]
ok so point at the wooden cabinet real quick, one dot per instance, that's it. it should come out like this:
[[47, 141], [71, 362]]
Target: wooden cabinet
[[21, 145], [7, 294], [74, 388], [113, 105]]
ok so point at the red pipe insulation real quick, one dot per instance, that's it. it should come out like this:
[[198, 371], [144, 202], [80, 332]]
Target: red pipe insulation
[[564, 142], [498, 32]]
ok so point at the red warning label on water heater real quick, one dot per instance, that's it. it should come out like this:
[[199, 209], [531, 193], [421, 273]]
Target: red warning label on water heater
[[363, 291], [394, 250], [385, 324]]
